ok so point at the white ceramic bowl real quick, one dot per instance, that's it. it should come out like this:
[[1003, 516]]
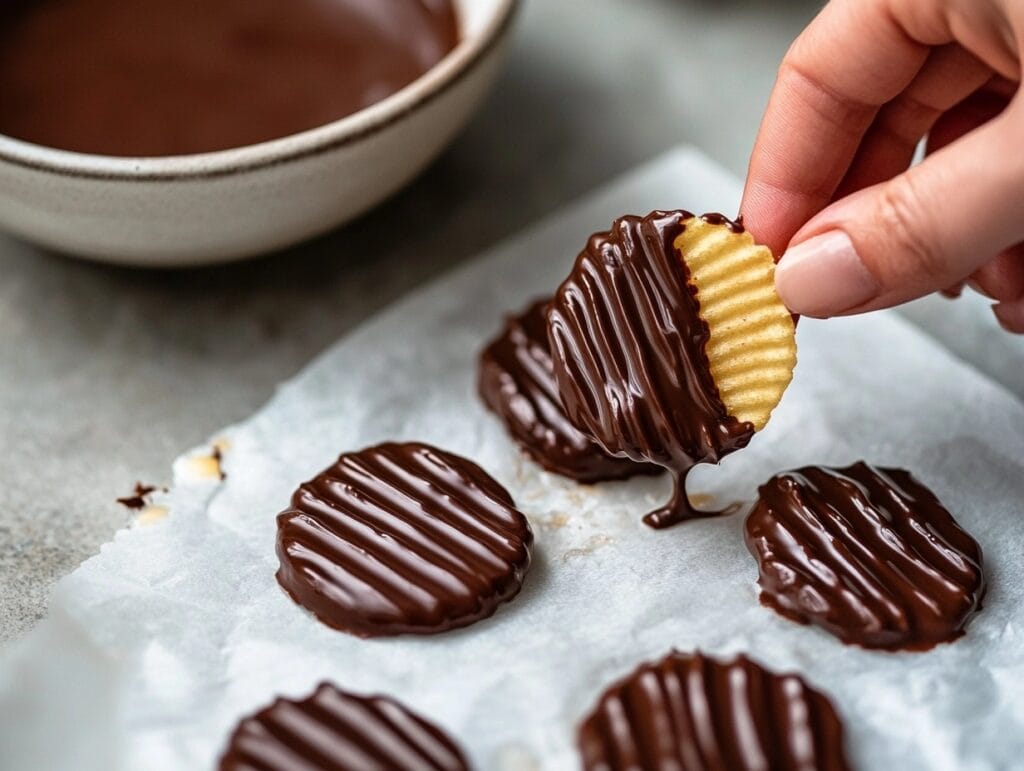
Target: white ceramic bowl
[[196, 209]]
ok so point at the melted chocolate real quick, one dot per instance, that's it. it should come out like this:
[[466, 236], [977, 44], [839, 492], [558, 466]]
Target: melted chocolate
[[336, 731], [693, 713], [868, 554], [517, 383], [402, 538], [139, 499], [157, 78], [628, 344], [735, 226]]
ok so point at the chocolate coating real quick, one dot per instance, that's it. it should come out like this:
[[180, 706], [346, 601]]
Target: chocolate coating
[[868, 554], [336, 731], [402, 538], [517, 383], [628, 350], [693, 713]]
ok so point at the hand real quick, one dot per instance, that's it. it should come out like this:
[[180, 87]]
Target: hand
[[829, 183]]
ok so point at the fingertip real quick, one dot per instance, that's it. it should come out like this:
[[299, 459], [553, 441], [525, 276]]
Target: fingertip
[[772, 216], [1002, 279], [1010, 316], [824, 276]]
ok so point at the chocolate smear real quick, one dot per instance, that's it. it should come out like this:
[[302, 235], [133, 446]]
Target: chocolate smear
[[139, 499]]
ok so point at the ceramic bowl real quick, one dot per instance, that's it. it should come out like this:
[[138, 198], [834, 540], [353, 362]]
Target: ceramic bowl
[[227, 205]]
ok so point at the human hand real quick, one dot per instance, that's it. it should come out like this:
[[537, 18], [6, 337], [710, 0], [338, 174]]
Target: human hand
[[829, 183]]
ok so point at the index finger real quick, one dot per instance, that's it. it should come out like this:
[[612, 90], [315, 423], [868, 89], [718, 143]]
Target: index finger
[[853, 58]]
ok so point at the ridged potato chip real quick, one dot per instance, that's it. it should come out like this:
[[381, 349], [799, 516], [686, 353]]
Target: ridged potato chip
[[752, 345]]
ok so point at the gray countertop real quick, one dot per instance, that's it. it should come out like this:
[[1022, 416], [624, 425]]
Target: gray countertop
[[107, 374]]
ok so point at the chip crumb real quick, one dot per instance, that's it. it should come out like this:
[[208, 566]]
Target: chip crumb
[[151, 515], [553, 522], [210, 466], [593, 543]]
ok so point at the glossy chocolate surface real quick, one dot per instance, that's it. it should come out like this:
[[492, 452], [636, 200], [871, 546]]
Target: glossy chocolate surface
[[693, 713], [402, 538], [157, 78], [517, 383], [627, 344], [336, 731], [869, 554]]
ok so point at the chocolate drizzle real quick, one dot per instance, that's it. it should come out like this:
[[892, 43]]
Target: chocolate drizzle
[[868, 554], [402, 538], [628, 344], [336, 731], [691, 713], [517, 383]]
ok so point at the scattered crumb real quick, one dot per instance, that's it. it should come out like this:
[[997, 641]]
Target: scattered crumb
[[139, 498], [151, 515], [578, 495], [209, 466], [593, 543], [554, 522]]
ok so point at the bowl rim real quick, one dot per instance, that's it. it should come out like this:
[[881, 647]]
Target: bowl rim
[[443, 76]]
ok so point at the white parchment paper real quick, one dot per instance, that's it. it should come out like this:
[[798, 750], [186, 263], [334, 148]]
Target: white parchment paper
[[156, 647]]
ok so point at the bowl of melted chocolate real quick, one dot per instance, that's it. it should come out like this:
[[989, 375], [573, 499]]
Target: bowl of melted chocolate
[[152, 132]]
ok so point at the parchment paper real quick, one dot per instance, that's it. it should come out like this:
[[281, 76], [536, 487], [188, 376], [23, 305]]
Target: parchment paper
[[156, 647]]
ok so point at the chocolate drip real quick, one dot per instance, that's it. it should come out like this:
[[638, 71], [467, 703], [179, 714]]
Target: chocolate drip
[[693, 713], [402, 538], [517, 383], [870, 555], [628, 350], [336, 731]]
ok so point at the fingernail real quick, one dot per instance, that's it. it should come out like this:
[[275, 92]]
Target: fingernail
[[824, 276]]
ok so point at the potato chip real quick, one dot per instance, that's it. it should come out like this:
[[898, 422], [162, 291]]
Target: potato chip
[[752, 345]]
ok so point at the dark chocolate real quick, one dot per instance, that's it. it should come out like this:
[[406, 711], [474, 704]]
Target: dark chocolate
[[714, 218], [517, 383], [158, 78], [336, 731], [868, 554], [402, 538], [693, 713], [139, 498], [628, 351]]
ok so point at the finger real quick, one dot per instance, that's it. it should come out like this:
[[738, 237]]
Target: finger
[[953, 292], [924, 230], [1002, 279], [853, 58], [950, 75], [975, 110], [1010, 316]]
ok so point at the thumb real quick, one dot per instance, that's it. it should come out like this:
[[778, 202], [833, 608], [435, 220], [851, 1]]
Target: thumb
[[920, 232]]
